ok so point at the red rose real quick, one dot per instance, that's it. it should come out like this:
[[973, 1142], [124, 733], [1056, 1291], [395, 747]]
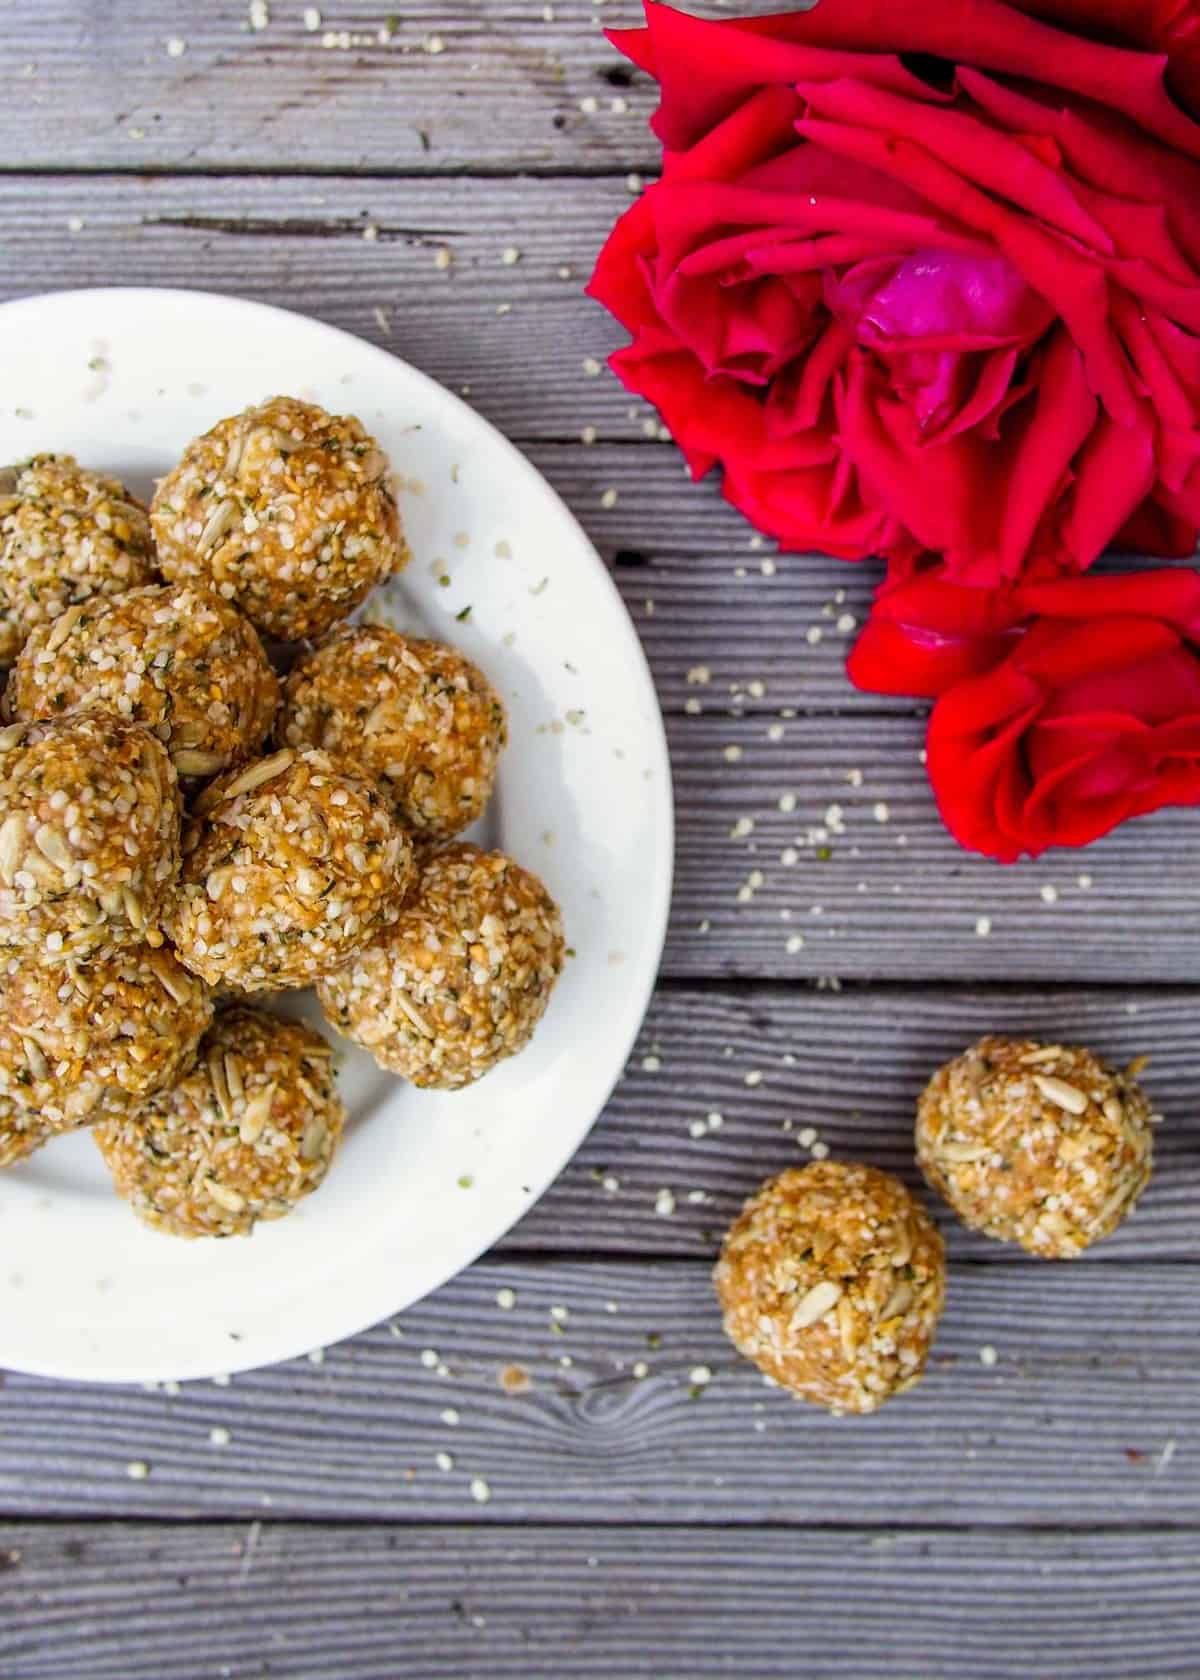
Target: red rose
[[926, 633], [955, 315], [1093, 717]]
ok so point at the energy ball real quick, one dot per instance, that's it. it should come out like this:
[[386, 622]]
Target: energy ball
[[66, 535], [461, 980], [245, 1136], [416, 715], [171, 656], [289, 867], [285, 510], [831, 1280], [1039, 1144], [83, 1040], [89, 835]]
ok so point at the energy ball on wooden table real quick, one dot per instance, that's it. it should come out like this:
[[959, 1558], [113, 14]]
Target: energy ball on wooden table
[[245, 1136], [82, 1040], [463, 977], [285, 510], [416, 714], [89, 835], [66, 535], [832, 1280], [290, 866], [174, 657], [1039, 1144]]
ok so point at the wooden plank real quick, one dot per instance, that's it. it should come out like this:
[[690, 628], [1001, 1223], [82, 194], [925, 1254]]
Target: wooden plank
[[299, 243], [457, 85], [890, 894], [1088, 1415], [849, 1066], [317, 1603]]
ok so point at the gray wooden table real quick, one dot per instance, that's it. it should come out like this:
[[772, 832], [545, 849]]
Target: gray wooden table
[[1033, 1508]]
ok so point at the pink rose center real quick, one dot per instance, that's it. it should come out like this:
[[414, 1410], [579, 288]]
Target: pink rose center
[[946, 325]]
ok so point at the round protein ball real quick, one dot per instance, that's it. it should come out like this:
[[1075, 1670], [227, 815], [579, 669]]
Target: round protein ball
[[245, 1136], [1039, 1144], [89, 835], [461, 980], [832, 1280], [416, 714], [289, 867], [171, 656], [287, 511], [66, 535], [87, 1039]]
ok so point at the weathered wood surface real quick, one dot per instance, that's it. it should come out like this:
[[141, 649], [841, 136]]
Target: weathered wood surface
[[394, 1604], [897, 898], [477, 85], [1088, 1415], [299, 243], [848, 1065], [251, 161]]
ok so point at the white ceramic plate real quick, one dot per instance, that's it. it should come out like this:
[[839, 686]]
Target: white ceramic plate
[[423, 1183]]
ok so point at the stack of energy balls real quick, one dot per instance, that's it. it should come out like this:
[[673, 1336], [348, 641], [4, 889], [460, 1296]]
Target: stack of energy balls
[[181, 833], [833, 1277]]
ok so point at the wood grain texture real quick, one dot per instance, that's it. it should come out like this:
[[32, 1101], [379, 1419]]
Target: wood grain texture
[[897, 898], [591, 1603], [1095, 1378], [849, 1066], [486, 85], [299, 243]]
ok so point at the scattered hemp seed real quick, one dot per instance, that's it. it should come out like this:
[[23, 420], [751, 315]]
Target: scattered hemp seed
[[664, 1204], [641, 1369], [451, 1417], [444, 1461], [1049, 894], [610, 498], [480, 1491], [137, 1470], [506, 1299], [983, 926], [219, 1436], [510, 256], [591, 366], [988, 1356]]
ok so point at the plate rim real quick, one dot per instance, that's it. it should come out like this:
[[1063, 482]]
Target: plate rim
[[661, 787]]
